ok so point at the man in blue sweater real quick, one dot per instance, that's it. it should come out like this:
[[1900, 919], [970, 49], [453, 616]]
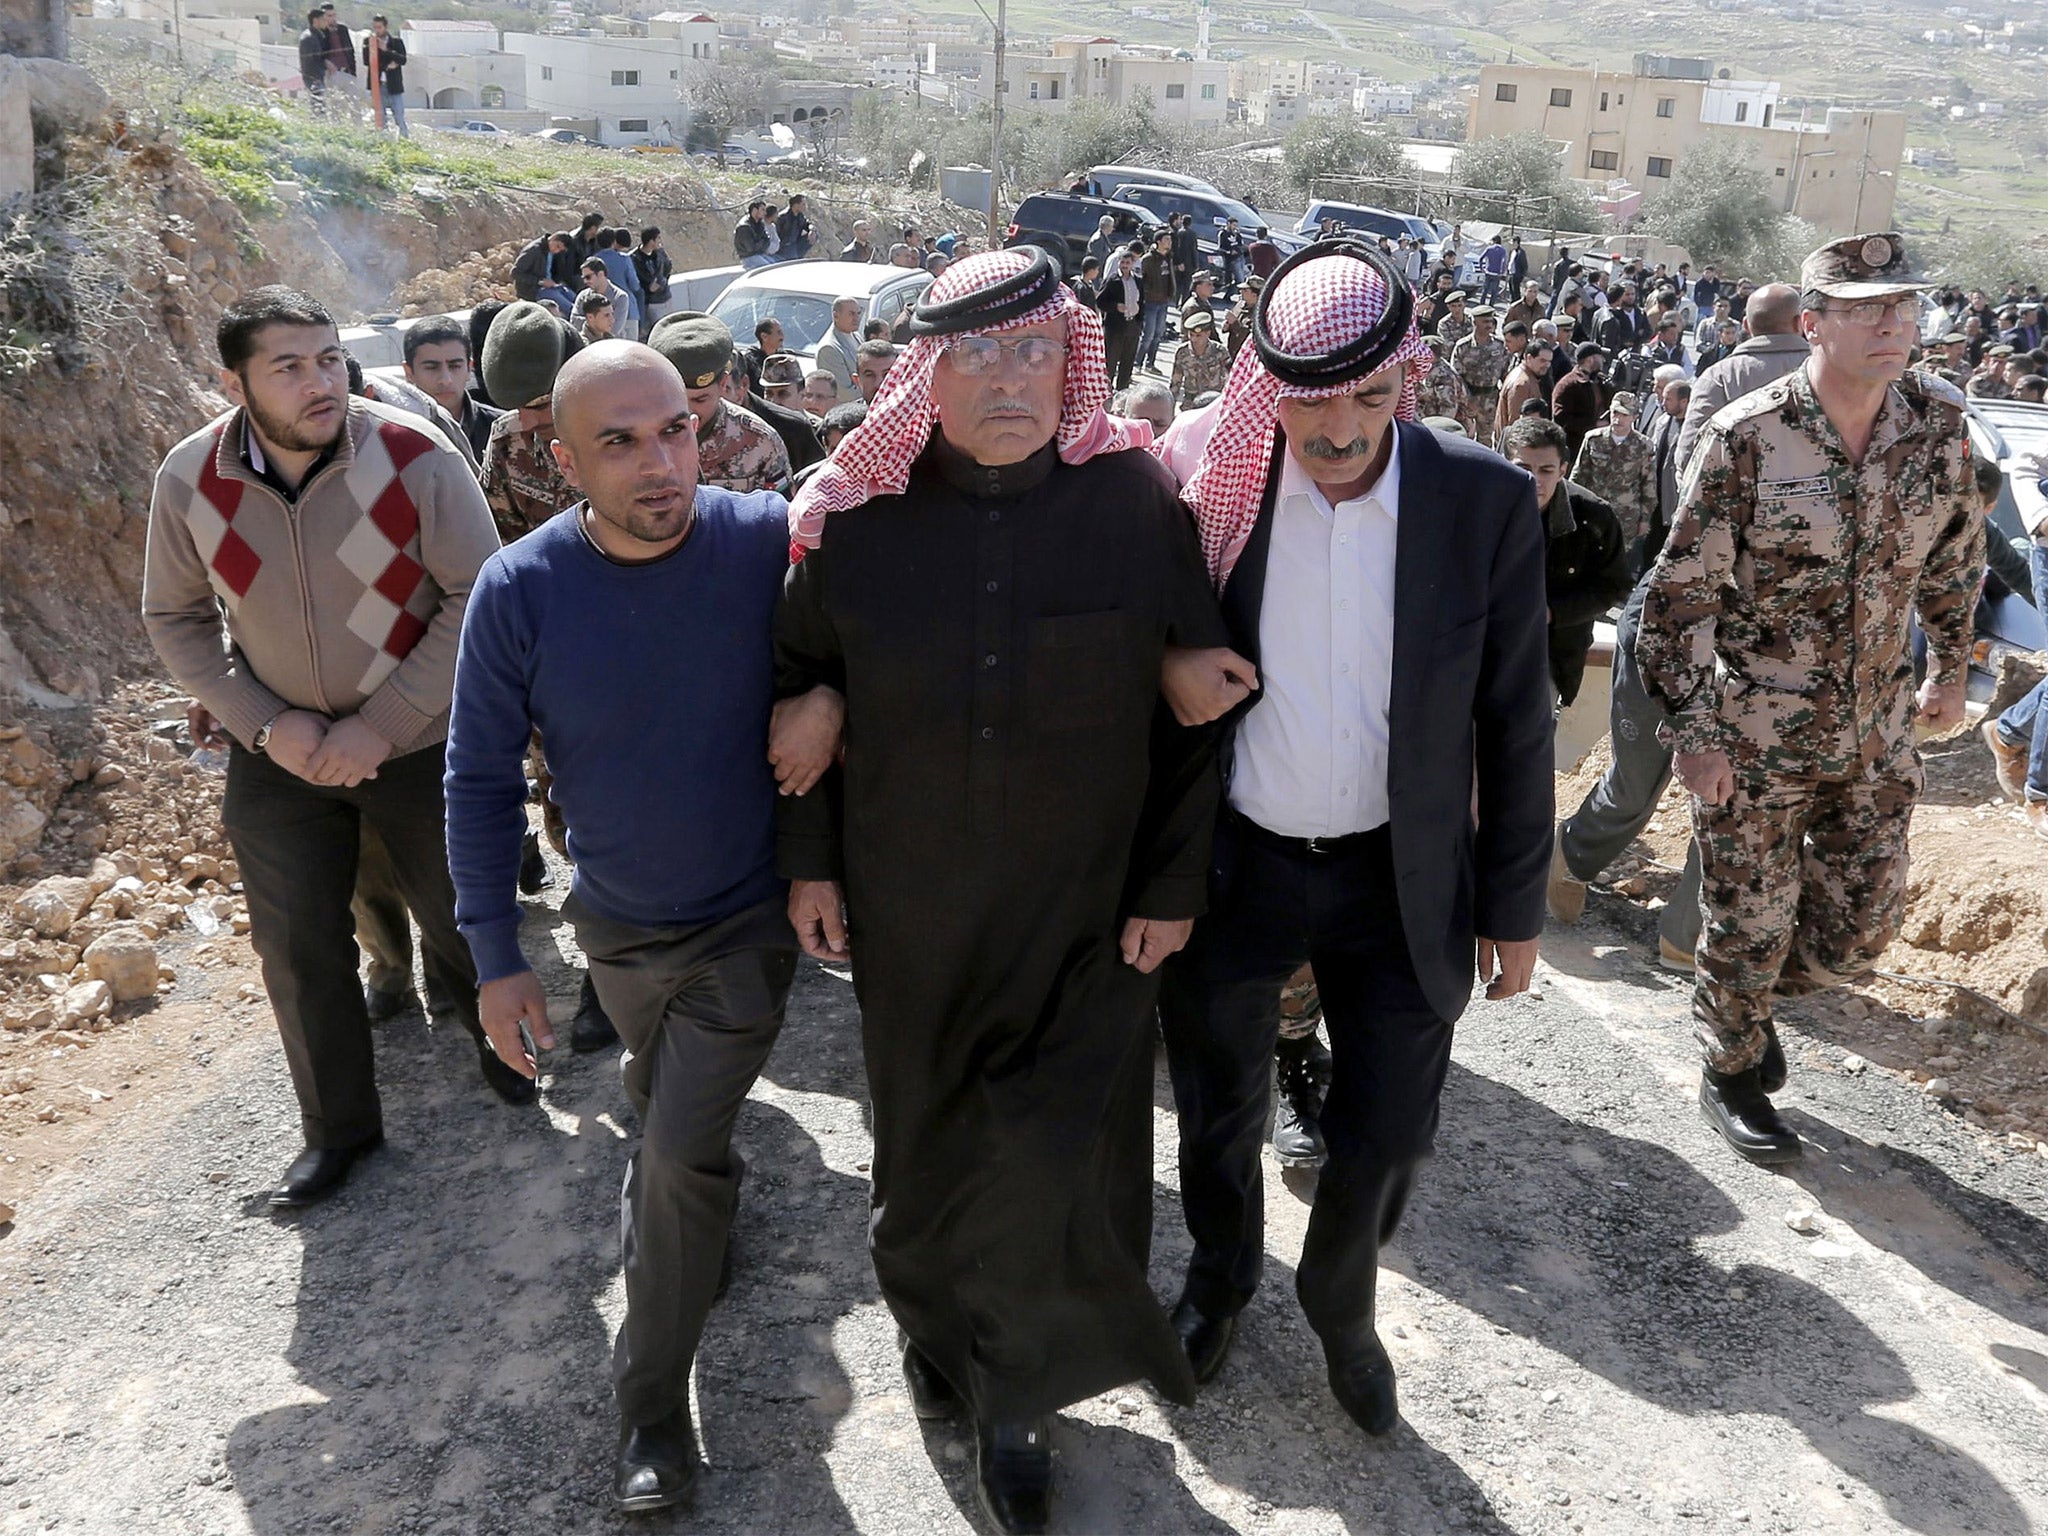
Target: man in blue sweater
[[633, 630]]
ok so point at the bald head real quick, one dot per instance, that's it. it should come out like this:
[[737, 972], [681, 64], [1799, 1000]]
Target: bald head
[[1773, 311], [625, 438], [598, 381]]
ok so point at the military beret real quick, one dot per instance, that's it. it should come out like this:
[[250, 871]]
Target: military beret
[[1478, 310], [782, 368], [523, 351], [2001, 350], [696, 344]]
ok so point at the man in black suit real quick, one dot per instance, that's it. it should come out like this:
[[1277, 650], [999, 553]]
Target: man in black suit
[[1387, 583]]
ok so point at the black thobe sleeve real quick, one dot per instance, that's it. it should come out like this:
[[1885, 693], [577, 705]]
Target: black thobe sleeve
[[1170, 856], [807, 653]]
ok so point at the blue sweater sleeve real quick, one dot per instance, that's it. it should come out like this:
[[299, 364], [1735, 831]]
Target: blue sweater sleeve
[[488, 730]]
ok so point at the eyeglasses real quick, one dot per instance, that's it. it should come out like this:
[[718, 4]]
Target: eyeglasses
[[1872, 314], [976, 355]]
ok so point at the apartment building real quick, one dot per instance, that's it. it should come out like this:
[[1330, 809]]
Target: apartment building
[[1183, 89], [1834, 167], [631, 87]]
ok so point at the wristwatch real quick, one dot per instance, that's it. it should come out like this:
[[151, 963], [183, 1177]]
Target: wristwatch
[[261, 740]]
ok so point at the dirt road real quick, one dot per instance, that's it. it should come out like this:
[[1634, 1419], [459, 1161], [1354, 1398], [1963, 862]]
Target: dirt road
[[1603, 1321]]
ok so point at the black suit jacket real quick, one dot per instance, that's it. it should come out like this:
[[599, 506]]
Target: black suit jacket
[[1471, 694]]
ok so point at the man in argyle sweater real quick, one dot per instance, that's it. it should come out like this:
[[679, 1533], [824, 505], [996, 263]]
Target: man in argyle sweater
[[309, 557]]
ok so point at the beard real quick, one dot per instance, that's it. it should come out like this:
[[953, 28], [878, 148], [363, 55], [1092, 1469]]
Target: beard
[[291, 433], [650, 527]]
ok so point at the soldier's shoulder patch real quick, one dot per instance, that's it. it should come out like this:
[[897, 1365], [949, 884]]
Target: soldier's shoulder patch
[[1753, 406], [1923, 387]]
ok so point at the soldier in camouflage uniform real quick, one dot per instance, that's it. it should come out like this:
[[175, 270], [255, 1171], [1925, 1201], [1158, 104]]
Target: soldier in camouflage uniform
[[1818, 515], [524, 350], [1455, 325], [1618, 467], [736, 450], [1953, 361], [1989, 381], [1480, 361], [1438, 392]]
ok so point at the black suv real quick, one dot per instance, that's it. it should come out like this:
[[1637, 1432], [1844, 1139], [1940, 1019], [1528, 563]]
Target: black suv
[[1062, 224]]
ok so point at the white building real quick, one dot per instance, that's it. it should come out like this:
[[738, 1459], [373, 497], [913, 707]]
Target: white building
[[1182, 89], [632, 88], [1376, 98], [457, 66], [697, 33], [894, 73]]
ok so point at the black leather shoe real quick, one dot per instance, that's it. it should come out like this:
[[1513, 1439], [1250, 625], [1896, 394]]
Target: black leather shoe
[[592, 1028], [1206, 1339], [383, 1006], [514, 1087], [657, 1464], [533, 869], [1362, 1380], [1735, 1105], [931, 1395], [317, 1173], [440, 1002], [1013, 1476], [1771, 1072], [1297, 1138]]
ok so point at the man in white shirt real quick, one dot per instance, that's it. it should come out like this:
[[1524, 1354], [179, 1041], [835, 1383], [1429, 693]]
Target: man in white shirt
[[1387, 585]]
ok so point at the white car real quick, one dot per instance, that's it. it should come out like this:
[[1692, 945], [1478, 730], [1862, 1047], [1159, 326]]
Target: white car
[[800, 295], [475, 125]]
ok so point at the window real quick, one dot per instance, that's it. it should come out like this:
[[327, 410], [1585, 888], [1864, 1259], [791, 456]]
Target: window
[[632, 125], [1176, 92], [1667, 106], [1604, 160], [1034, 90], [1742, 111], [1603, 101], [1052, 90], [1660, 166], [672, 74], [1503, 93], [1208, 93], [1560, 97], [625, 77], [1780, 173], [547, 71], [1767, 114]]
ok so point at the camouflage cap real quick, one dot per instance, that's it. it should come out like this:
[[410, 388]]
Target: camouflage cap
[[1860, 267], [523, 351], [2001, 350], [698, 346], [1254, 283], [1624, 403], [782, 368], [1450, 426], [1481, 312]]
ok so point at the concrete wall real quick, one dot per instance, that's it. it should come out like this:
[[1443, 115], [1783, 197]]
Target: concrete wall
[[17, 141], [33, 27]]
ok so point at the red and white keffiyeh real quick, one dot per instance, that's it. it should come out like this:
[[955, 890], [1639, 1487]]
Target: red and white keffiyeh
[[874, 459], [1323, 300]]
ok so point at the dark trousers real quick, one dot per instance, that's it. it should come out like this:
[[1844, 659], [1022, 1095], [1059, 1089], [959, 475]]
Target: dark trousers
[[383, 929], [297, 847], [1271, 908], [1121, 353], [698, 1009]]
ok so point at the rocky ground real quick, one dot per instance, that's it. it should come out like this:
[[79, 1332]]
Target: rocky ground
[[1604, 1322]]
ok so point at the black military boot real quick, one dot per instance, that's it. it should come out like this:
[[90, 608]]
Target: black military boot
[[1771, 1072], [656, 1467], [931, 1395], [1301, 1070], [533, 869], [592, 1028], [1736, 1105]]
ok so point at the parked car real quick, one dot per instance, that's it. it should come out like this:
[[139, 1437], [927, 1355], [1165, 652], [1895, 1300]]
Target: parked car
[[1373, 221], [475, 125], [1061, 224], [1211, 211], [566, 136], [800, 295], [1104, 179], [2001, 430]]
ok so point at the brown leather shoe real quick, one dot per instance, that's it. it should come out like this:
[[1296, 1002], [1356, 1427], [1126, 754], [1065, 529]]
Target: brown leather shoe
[[2011, 762], [1565, 895], [2037, 817]]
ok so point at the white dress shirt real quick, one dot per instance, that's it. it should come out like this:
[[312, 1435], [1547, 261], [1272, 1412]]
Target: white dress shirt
[[1312, 753]]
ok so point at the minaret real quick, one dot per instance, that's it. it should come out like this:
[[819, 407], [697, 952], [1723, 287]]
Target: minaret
[[1201, 29]]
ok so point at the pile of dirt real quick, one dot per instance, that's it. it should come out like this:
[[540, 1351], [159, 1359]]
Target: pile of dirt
[[486, 275], [1969, 1023]]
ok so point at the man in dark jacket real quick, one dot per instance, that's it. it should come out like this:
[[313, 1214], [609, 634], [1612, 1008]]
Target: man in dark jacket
[[793, 229], [341, 52], [1585, 557], [313, 60], [1120, 304], [1187, 255], [533, 266], [1579, 404], [652, 266], [1623, 325], [384, 61], [750, 237], [1156, 290]]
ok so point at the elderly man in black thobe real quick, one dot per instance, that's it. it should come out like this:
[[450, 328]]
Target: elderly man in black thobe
[[992, 574], [1389, 788]]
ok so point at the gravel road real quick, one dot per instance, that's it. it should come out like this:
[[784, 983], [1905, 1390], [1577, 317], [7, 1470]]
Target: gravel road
[[1603, 1321]]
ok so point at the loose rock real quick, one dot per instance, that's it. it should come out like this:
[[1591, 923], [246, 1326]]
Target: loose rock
[[87, 1001], [125, 960]]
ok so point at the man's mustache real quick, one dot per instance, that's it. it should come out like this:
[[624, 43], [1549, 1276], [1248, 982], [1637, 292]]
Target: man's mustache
[[1323, 448], [1006, 408]]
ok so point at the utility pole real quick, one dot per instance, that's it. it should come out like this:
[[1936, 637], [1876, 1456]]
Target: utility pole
[[995, 153]]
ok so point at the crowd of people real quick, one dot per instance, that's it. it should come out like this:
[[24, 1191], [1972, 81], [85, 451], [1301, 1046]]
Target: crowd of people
[[1053, 699]]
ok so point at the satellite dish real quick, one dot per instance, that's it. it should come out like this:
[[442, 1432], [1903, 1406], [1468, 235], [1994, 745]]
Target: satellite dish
[[781, 134]]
